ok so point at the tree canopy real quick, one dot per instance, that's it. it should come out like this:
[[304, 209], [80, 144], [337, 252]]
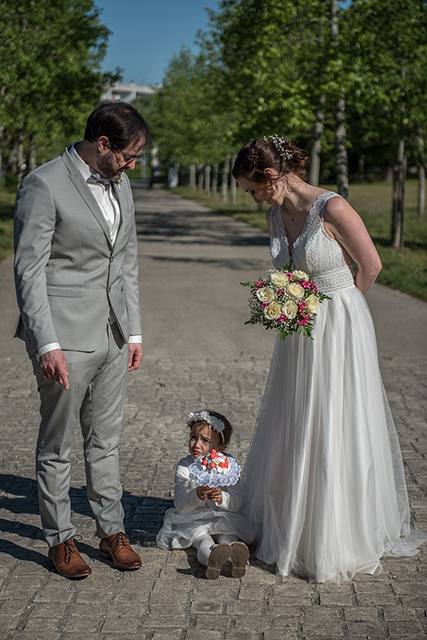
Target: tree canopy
[[50, 76], [277, 66]]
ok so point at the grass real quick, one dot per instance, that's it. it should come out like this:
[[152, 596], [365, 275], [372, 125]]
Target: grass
[[405, 270], [7, 203]]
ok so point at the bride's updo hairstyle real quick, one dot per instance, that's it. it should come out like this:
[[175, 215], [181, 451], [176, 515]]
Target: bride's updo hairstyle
[[274, 152]]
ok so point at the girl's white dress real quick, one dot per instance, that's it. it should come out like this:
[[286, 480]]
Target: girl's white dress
[[324, 481], [192, 518]]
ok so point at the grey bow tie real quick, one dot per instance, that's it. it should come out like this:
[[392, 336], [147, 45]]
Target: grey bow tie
[[95, 178]]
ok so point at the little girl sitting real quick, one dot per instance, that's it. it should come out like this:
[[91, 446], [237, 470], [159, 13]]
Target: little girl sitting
[[201, 517]]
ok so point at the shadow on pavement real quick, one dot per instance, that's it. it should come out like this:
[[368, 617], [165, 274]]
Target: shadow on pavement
[[183, 226], [143, 516]]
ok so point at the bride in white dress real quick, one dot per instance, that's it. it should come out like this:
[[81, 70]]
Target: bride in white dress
[[324, 481]]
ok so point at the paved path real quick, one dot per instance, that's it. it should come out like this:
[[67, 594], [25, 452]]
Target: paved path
[[197, 353]]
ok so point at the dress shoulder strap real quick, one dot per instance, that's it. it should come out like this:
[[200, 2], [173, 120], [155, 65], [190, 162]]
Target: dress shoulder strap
[[277, 227], [320, 204]]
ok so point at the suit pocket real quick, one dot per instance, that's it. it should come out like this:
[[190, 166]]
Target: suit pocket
[[64, 292]]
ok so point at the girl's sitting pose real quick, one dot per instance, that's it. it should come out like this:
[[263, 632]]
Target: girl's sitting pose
[[201, 517]]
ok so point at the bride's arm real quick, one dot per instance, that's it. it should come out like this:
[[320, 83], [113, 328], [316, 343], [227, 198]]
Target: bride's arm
[[345, 225]]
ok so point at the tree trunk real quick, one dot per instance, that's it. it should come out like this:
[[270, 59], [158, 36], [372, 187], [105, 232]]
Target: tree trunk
[[224, 184], [341, 157], [340, 134], [31, 162], [395, 199], [421, 189], [1, 151], [2, 92], [192, 177], [200, 177], [207, 179], [397, 223], [233, 181], [397, 234], [214, 180], [316, 147], [421, 176], [21, 165], [12, 163]]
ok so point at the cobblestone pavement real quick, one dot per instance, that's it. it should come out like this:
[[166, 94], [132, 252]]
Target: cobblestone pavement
[[197, 353]]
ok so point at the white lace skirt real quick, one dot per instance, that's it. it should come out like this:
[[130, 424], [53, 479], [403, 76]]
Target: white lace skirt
[[324, 482]]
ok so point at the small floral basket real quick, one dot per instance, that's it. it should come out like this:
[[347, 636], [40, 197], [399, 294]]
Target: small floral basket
[[286, 301]]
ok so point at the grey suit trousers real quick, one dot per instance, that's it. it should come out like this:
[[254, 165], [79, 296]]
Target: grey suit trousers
[[96, 397]]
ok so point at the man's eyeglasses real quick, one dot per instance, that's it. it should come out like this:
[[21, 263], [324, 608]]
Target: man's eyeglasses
[[128, 159]]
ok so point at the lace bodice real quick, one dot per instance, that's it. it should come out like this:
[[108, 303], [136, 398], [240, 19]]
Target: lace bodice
[[322, 257]]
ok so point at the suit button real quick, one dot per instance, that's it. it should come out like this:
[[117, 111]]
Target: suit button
[[111, 258], [109, 289]]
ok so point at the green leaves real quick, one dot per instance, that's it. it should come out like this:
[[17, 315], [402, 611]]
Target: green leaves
[[50, 73]]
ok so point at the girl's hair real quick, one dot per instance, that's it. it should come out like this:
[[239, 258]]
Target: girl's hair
[[278, 154], [198, 417]]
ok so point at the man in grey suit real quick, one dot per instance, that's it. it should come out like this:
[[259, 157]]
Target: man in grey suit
[[76, 275]]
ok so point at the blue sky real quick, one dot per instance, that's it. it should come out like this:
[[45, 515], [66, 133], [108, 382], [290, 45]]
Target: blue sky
[[146, 33]]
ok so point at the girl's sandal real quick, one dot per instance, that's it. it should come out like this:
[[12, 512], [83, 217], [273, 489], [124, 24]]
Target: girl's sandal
[[219, 554], [239, 558]]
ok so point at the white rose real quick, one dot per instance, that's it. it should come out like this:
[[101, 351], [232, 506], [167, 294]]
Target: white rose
[[302, 275], [295, 290], [290, 309], [312, 304], [265, 294], [273, 311], [279, 279]]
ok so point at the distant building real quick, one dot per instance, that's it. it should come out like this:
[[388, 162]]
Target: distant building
[[127, 92]]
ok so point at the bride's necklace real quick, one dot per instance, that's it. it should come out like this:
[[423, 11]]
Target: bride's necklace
[[297, 207]]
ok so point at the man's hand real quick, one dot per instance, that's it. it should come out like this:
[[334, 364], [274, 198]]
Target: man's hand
[[135, 355], [53, 366]]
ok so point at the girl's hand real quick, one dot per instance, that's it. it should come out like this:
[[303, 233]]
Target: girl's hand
[[201, 492], [214, 494]]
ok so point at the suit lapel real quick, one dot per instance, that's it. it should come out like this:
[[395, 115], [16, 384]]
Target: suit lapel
[[84, 191]]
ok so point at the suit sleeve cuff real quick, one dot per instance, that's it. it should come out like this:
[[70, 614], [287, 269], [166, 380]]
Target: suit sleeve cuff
[[47, 347]]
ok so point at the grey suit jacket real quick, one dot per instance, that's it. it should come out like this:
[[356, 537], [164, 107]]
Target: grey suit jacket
[[68, 276]]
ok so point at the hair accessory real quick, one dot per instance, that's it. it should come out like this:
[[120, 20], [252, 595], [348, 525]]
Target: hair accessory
[[280, 143], [205, 416]]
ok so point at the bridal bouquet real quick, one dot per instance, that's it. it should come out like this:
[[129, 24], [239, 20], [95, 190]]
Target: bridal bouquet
[[285, 301]]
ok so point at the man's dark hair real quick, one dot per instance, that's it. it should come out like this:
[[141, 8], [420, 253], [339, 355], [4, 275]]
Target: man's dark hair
[[119, 121]]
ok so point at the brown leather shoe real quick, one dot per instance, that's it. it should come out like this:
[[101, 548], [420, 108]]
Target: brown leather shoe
[[117, 548], [68, 561]]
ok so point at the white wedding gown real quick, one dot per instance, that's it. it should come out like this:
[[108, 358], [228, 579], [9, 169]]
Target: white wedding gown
[[324, 481]]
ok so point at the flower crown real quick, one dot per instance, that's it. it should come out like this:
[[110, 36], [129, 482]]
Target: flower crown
[[280, 143], [205, 416]]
